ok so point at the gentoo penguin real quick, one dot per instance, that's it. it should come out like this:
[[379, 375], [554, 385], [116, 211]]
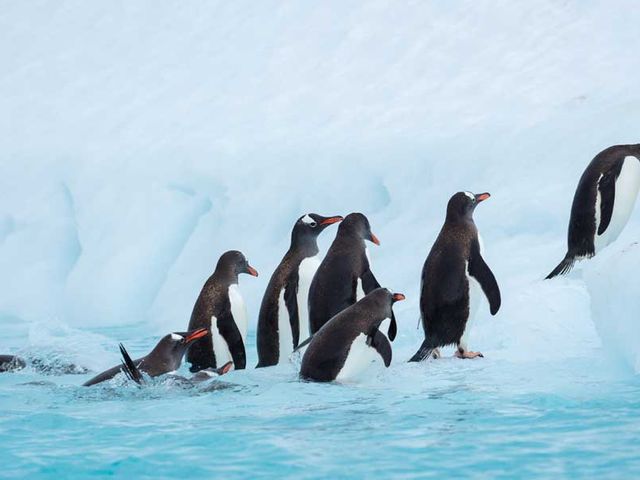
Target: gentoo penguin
[[133, 371], [602, 204], [164, 358], [344, 276], [221, 310], [284, 319], [346, 345], [452, 277], [11, 363]]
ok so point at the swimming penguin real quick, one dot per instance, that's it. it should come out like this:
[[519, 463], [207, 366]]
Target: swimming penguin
[[164, 358], [452, 277], [346, 345], [133, 372], [344, 276], [221, 310], [284, 319], [11, 363], [602, 204]]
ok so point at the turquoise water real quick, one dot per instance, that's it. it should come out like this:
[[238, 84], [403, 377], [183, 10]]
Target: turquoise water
[[486, 418]]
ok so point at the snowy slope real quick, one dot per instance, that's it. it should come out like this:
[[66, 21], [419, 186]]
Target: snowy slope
[[142, 139]]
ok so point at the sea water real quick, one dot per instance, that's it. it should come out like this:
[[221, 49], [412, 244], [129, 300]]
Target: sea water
[[573, 417]]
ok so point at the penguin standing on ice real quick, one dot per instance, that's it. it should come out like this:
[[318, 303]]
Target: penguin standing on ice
[[344, 276], [351, 341], [284, 319], [602, 204], [164, 358], [452, 277], [221, 310]]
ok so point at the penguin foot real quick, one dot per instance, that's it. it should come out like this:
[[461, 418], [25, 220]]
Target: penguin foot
[[468, 354]]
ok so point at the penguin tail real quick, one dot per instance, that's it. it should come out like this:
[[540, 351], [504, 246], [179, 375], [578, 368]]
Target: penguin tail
[[563, 267], [423, 352]]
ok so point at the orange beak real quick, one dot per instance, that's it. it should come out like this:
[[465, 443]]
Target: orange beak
[[375, 240], [331, 220], [482, 197], [226, 368], [196, 334], [252, 271], [398, 297]]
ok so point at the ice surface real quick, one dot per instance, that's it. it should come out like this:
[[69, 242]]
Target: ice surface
[[140, 141]]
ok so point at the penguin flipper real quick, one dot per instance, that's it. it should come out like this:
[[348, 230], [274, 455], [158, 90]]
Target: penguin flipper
[[229, 330], [369, 282], [129, 367], [377, 340], [303, 344], [291, 301], [479, 270], [607, 190]]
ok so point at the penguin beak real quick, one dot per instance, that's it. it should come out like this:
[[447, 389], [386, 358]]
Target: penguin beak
[[374, 239], [195, 335], [331, 220], [482, 197], [398, 297], [251, 271]]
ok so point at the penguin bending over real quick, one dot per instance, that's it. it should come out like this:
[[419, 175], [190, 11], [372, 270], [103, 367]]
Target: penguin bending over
[[11, 363], [284, 319], [351, 341], [602, 204], [132, 370], [164, 358], [344, 276], [221, 310], [452, 277]]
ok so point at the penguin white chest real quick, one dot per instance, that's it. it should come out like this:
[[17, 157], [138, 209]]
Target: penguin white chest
[[359, 359], [359, 289], [285, 336], [221, 349], [238, 311], [626, 192], [306, 272]]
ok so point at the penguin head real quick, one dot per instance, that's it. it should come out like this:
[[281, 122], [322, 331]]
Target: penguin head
[[358, 224], [173, 346], [309, 226], [233, 263], [462, 204]]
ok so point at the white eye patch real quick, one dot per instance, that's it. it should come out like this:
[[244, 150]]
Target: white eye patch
[[470, 195], [176, 337], [308, 220]]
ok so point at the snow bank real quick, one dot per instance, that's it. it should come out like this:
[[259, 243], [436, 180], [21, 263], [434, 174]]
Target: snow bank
[[142, 140], [615, 301]]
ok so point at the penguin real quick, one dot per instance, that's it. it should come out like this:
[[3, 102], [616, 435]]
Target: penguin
[[602, 204], [133, 372], [283, 320], [221, 310], [351, 341], [164, 358], [11, 363], [344, 276], [452, 277]]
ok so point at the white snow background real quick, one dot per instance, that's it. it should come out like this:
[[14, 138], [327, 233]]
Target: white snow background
[[141, 139]]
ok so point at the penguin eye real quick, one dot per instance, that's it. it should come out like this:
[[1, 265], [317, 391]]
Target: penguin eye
[[313, 224]]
